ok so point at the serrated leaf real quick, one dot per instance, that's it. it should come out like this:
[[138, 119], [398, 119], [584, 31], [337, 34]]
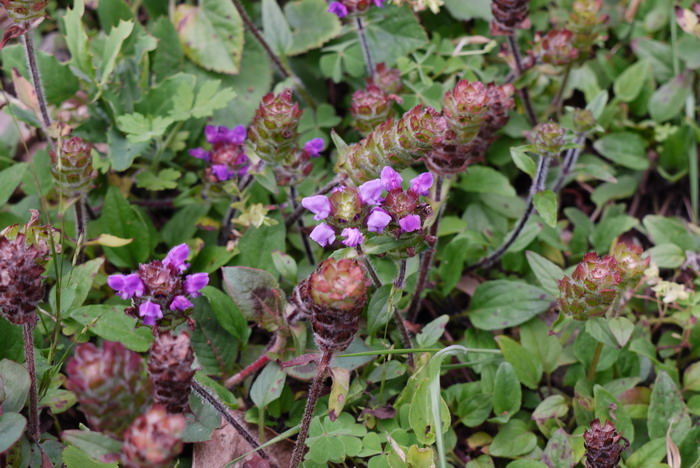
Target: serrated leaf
[[211, 35], [311, 25], [546, 205], [77, 40], [140, 128], [112, 46], [165, 180]]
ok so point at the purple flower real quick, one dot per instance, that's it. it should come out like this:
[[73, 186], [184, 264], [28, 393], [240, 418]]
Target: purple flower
[[222, 135], [421, 185], [323, 234], [222, 172], [410, 223], [199, 153], [379, 3], [353, 237], [177, 256], [319, 205], [195, 282], [180, 303], [150, 312], [371, 192], [338, 9], [378, 220], [127, 286], [391, 179], [238, 134], [314, 147]]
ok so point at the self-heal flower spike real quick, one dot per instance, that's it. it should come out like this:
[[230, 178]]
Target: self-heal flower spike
[[586, 22], [378, 220], [353, 237], [556, 47], [72, 167], [170, 369], [421, 185], [273, 131], [632, 265], [323, 235], [465, 109], [194, 283], [592, 287], [227, 158], [371, 107], [387, 79], [319, 205], [153, 439], [549, 138], [21, 282], [221, 135], [604, 445]]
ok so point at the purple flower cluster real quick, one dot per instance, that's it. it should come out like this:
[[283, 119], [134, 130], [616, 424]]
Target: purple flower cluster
[[343, 8], [160, 285], [227, 158], [359, 211]]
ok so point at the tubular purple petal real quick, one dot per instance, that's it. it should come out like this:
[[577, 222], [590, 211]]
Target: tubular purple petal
[[323, 234], [391, 179], [314, 147], [410, 223], [353, 237], [338, 9], [150, 312], [371, 192], [195, 282], [199, 153], [177, 256], [180, 303], [319, 205], [378, 220], [421, 185]]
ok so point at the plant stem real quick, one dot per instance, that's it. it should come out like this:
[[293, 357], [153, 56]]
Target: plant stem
[[559, 98], [300, 222], [524, 93], [569, 162], [38, 86], [381, 352], [312, 399], [224, 412], [426, 259], [398, 318], [368, 266], [231, 211], [299, 210], [594, 362], [275, 345], [34, 432], [537, 186], [81, 221], [364, 44], [284, 71]]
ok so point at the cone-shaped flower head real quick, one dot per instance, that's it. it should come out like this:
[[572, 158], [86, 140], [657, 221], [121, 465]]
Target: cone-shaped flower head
[[507, 16], [21, 287], [371, 107], [586, 22], [73, 170], [343, 8], [387, 79], [170, 369], [549, 138], [556, 47], [25, 12], [227, 158], [604, 446], [583, 120], [465, 109], [632, 265], [337, 292], [153, 440], [111, 385], [273, 131], [592, 288]]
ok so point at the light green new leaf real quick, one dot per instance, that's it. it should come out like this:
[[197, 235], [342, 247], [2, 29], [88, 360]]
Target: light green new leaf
[[275, 27], [546, 206], [113, 45], [507, 394], [522, 161], [527, 367], [140, 128], [210, 98], [77, 40], [10, 178], [268, 385], [165, 179], [630, 82]]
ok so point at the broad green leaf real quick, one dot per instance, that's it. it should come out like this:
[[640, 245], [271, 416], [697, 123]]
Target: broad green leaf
[[334, 440], [110, 13], [15, 382], [212, 343], [475, 9], [419, 457], [112, 46], [122, 220], [691, 377], [503, 303], [82, 276], [227, 313], [484, 179], [95, 444], [276, 28], [421, 417], [285, 264], [183, 225], [648, 454], [535, 338], [547, 272], [667, 101], [10, 178], [666, 230], [624, 148], [168, 56], [514, 439], [507, 394], [559, 453], [268, 385], [393, 32], [12, 426], [73, 457], [166, 179], [112, 324], [526, 366], [659, 54], [122, 151], [257, 244], [77, 40], [431, 333], [665, 408], [630, 82], [211, 34], [378, 313], [11, 336], [140, 128], [623, 187], [523, 161], [257, 295], [209, 99], [204, 418], [312, 25], [546, 205], [609, 229], [607, 407], [622, 329], [666, 255]]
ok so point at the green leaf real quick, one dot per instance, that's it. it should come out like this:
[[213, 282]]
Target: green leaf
[[285, 264], [507, 394], [11, 336], [211, 35], [524, 463], [77, 40], [546, 205], [607, 407], [475, 9], [276, 28], [227, 314], [648, 455], [112, 46], [624, 148], [212, 344], [112, 324], [691, 377], [666, 255], [165, 180], [431, 333], [527, 367], [183, 226], [140, 128], [378, 313], [420, 416], [547, 272], [334, 440], [122, 151], [667, 407], [631, 81], [503, 303], [10, 178], [484, 179], [667, 101], [14, 381], [95, 444], [514, 439], [268, 385], [559, 452], [12, 427], [122, 220], [82, 276], [110, 13], [665, 230], [622, 329], [312, 25], [73, 457], [257, 294], [257, 244], [393, 32], [168, 55], [535, 338], [523, 161], [208, 100], [609, 229]]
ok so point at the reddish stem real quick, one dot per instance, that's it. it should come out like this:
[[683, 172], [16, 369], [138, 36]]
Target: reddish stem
[[275, 345]]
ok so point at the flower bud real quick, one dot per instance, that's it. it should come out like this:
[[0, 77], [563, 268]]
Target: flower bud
[[25, 12], [556, 47], [592, 288], [584, 121], [586, 22], [345, 204], [387, 79], [602, 444], [111, 385], [338, 294], [632, 265], [21, 286], [273, 131], [153, 440], [170, 369], [371, 107], [507, 16], [549, 138], [465, 109], [420, 129], [73, 170]]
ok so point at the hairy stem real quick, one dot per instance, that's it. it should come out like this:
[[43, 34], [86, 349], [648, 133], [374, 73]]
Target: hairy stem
[[224, 412], [524, 93], [312, 399], [537, 186], [281, 68], [300, 222], [594, 362], [399, 282], [569, 162], [275, 345], [368, 267], [364, 44], [427, 258], [299, 210], [34, 432], [38, 86]]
